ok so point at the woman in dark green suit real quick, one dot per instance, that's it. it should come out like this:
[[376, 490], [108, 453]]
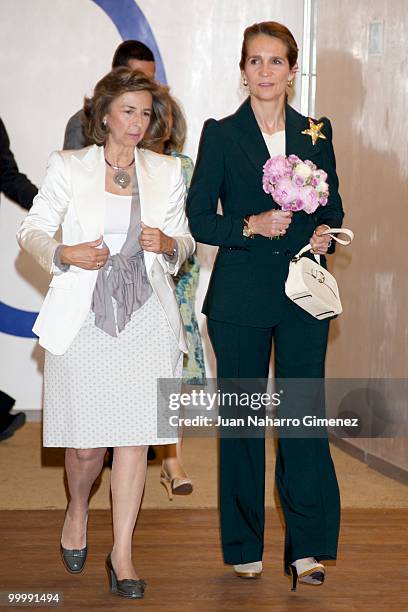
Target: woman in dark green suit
[[247, 308]]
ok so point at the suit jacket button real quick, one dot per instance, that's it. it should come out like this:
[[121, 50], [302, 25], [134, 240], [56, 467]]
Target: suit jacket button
[[152, 273]]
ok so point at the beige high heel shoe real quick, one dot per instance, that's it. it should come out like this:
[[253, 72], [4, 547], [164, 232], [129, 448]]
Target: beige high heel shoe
[[249, 570], [175, 486], [307, 572]]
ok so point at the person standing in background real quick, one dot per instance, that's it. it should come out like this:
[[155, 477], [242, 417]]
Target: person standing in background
[[13, 183], [17, 187], [131, 53], [173, 476], [9, 423]]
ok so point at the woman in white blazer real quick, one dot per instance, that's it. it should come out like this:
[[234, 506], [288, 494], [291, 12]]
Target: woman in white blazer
[[110, 322]]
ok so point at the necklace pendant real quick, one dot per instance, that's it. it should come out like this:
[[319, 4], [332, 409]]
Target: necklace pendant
[[121, 178]]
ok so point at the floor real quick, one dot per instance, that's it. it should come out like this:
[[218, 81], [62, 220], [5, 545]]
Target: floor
[[177, 552]]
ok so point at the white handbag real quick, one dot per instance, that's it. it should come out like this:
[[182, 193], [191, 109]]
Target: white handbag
[[311, 286]]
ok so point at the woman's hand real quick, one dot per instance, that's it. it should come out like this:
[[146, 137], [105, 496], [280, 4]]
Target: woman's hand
[[270, 223], [320, 243], [154, 240], [85, 255]]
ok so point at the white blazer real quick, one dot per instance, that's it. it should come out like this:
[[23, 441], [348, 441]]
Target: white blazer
[[73, 196]]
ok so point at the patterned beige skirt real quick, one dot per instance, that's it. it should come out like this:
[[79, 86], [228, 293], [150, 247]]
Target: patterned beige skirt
[[103, 390]]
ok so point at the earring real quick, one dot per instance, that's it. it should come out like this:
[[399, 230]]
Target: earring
[[244, 81], [290, 83], [105, 123]]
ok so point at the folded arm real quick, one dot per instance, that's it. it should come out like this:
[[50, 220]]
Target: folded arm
[[36, 233]]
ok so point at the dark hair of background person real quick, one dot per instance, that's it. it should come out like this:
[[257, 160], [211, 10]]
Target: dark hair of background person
[[275, 29], [117, 82], [131, 50]]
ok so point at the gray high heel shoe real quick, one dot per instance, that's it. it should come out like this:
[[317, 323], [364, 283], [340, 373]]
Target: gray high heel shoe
[[130, 588], [74, 558]]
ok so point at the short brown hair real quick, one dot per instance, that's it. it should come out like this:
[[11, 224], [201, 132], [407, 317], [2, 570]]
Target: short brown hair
[[117, 82], [275, 29]]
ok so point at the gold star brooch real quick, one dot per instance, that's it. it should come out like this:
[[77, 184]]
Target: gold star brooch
[[314, 131]]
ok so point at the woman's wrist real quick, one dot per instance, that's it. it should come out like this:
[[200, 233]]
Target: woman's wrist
[[252, 223], [64, 255], [248, 229], [170, 249], [61, 263], [170, 254]]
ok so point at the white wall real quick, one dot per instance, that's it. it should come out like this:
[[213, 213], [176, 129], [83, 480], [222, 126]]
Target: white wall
[[53, 52]]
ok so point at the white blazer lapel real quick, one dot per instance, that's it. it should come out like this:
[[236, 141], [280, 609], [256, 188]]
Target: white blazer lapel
[[153, 192], [153, 188], [88, 186]]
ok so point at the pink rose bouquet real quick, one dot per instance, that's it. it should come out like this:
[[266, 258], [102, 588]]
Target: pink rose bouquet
[[295, 184]]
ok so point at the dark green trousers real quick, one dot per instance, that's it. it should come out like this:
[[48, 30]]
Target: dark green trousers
[[305, 474]]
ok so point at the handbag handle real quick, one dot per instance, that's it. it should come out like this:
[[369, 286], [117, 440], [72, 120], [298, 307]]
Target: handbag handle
[[331, 231]]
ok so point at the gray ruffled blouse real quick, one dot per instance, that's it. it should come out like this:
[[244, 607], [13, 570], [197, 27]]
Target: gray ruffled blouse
[[122, 278]]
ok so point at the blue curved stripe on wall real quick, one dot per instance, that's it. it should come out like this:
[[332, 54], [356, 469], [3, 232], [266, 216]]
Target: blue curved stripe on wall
[[132, 24], [16, 322]]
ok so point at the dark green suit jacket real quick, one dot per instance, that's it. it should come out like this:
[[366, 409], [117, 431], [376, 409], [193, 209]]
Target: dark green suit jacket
[[248, 280]]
